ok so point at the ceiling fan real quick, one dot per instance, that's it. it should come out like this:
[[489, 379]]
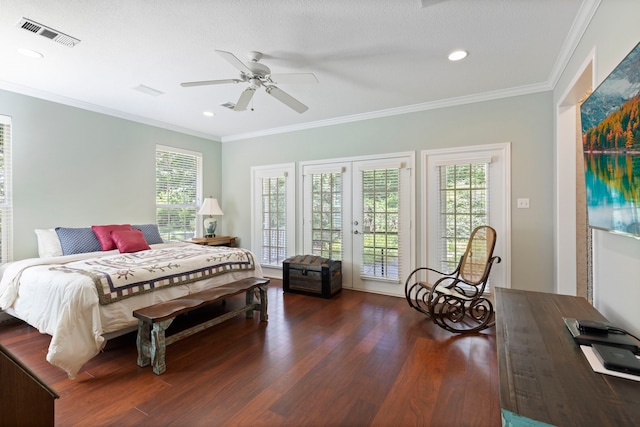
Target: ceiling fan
[[259, 75]]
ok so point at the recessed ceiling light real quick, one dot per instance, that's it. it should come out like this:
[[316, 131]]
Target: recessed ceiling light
[[208, 113], [30, 53], [457, 55]]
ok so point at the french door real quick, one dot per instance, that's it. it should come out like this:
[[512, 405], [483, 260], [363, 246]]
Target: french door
[[359, 211]]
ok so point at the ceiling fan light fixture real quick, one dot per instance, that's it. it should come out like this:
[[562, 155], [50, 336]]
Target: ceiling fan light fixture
[[457, 55]]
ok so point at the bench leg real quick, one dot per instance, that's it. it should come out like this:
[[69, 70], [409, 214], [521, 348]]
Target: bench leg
[[249, 299], [143, 343], [158, 346], [263, 303]]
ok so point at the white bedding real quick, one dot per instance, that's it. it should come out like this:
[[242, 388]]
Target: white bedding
[[69, 309]]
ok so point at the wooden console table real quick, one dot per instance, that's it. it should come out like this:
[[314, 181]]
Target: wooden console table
[[544, 376], [215, 241]]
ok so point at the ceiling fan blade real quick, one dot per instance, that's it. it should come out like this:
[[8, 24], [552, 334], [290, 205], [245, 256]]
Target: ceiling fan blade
[[286, 99], [293, 78], [210, 82], [245, 98], [233, 60]]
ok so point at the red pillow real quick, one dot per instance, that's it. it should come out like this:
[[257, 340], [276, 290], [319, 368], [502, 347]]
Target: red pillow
[[103, 233], [129, 241]]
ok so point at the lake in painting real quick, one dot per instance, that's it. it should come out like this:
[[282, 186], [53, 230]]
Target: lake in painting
[[613, 191]]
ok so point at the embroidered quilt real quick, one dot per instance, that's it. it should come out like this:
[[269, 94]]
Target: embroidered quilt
[[121, 276]]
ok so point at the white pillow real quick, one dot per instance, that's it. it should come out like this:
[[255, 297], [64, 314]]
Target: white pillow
[[48, 243]]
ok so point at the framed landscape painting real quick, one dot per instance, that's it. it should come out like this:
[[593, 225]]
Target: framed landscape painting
[[611, 145]]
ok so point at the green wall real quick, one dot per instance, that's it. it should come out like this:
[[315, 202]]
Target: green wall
[[77, 168], [524, 121]]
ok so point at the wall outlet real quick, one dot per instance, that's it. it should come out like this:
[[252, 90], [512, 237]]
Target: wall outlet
[[523, 203]]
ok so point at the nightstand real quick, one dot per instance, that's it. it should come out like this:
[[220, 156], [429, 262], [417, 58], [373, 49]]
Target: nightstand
[[215, 241]]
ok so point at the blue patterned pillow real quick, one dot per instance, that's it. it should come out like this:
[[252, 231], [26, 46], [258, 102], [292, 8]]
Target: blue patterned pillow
[[78, 240], [150, 233]]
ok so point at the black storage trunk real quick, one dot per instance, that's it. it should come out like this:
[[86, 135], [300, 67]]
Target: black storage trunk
[[312, 275]]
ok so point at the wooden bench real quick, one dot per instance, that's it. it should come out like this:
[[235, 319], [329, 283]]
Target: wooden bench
[[155, 319]]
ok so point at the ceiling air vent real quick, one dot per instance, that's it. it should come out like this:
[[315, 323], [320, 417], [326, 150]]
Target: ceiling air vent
[[50, 33]]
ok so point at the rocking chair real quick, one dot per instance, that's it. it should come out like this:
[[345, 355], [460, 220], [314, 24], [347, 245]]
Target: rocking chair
[[456, 301]]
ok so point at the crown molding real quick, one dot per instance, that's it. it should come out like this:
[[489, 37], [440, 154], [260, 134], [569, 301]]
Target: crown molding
[[450, 102], [35, 93], [578, 28]]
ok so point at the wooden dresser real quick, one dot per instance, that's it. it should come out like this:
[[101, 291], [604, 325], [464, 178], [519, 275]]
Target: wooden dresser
[[544, 376]]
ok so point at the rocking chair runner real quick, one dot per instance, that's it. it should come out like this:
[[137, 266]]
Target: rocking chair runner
[[456, 301]]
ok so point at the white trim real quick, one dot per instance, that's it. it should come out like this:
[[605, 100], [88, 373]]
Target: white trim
[[501, 219], [273, 171], [578, 28], [433, 105], [565, 275], [11, 87]]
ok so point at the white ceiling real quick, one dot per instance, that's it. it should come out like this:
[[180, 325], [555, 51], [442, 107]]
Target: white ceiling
[[371, 57]]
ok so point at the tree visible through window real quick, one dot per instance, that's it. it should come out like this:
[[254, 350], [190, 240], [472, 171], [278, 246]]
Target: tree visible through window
[[178, 190], [273, 213], [326, 215], [274, 220], [464, 205], [380, 223]]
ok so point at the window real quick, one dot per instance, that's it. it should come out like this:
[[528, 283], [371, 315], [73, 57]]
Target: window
[[380, 223], [466, 187], [464, 205], [326, 214], [178, 190], [273, 212], [6, 191]]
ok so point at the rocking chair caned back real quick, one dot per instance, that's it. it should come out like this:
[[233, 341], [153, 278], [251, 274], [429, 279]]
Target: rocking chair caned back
[[456, 300], [479, 250]]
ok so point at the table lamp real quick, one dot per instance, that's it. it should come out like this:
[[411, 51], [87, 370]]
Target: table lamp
[[209, 208]]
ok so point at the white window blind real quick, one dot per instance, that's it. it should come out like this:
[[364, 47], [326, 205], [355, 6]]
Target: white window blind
[[464, 205], [6, 191], [381, 223], [274, 220], [273, 213], [178, 190], [326, 214]]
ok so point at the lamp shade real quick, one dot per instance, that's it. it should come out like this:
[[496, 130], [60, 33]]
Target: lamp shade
[[210, 207]]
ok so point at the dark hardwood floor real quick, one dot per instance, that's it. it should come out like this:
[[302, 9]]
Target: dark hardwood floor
[[358, 359]]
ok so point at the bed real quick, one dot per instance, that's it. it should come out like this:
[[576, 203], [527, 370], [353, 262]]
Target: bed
[[79, 298]]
